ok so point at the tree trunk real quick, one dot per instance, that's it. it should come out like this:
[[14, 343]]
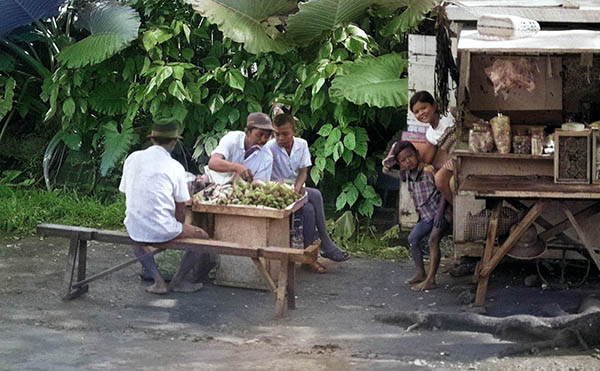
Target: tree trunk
[[538, 332]]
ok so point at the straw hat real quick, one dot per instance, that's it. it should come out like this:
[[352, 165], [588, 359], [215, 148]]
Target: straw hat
[[165, 128], [530, 246]]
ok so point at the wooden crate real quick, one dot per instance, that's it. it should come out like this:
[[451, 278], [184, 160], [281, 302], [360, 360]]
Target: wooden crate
[[596, 156], [571, 165]]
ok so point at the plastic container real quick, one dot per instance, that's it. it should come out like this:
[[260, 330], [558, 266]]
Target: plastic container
[[501, 130]]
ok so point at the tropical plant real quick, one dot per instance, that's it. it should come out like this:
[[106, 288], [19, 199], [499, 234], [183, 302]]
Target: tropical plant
[[112, 26], [104, 82], [346, 68]]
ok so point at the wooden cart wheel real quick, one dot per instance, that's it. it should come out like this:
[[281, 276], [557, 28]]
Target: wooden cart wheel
[[563, 272]]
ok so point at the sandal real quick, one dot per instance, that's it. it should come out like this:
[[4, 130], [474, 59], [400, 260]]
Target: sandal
[[336, 255], [316, 267]]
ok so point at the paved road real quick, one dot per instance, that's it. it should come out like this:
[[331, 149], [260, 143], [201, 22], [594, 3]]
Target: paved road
[[117, 325]]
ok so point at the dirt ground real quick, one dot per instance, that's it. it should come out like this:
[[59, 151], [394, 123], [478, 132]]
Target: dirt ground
[[117, 325]]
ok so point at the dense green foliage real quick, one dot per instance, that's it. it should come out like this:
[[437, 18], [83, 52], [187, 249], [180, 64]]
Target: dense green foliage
[[91, 92]]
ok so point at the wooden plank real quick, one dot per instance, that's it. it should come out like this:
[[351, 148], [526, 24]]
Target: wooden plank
[[504, 156], [541, 11], [583, 236], [526, 187], [518, 232], [58, 230], [263, 271], [543, 223], [282, 285], [487, 254], [463, 94], [114, 269], [566, 224], [312, 251], [543, 42]]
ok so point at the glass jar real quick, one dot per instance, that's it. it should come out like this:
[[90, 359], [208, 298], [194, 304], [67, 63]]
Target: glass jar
[[521, 144]]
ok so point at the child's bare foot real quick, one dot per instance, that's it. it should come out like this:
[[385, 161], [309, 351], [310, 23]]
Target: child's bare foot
[[185, 286], [418, 277], [425, 285], [159, 288]]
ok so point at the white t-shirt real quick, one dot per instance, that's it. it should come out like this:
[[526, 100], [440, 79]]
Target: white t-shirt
[[433, 135], [260, 163], [153, 182], [286, 166]]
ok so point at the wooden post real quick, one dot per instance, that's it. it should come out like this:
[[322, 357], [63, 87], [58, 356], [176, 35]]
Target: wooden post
[[282, 286], [527, 221], [70, 265], [291, 285], [487, 253]]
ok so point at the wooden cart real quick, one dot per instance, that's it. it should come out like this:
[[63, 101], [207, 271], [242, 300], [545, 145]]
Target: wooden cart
[[491, 180], [249, 226]]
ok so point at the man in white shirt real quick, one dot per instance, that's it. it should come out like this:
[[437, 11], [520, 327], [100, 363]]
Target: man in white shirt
[[291, 161], [242, 153], [156, 190]]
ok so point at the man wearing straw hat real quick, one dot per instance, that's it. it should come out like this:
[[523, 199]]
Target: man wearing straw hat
[[243, 153], [156, 190]]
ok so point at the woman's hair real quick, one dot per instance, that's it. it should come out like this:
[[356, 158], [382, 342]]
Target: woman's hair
[[401, 145], [422, 96], [284, 118]]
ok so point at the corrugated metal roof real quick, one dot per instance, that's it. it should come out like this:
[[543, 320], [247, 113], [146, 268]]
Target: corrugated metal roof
[[586, 11]]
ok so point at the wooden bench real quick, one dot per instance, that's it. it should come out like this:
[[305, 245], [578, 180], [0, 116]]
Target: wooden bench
[[77, 284]]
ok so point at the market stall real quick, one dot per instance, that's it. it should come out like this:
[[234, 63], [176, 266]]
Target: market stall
[[538, 170], [248, 225]]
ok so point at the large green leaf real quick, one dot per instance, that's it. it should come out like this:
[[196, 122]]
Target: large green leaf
[[318, 16], [112, 26], [411, 16], [373, 81], [250, 22], [116, 144], [6, 99], [110, 99]]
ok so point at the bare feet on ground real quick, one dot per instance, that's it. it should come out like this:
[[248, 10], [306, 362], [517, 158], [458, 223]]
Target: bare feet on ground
[[418, 277], [425, 285], [159, 288], [185, 287]]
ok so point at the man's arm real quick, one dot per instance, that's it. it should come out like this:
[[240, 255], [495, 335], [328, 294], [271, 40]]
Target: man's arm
[[218, 163], [301, 178], [180, 211]]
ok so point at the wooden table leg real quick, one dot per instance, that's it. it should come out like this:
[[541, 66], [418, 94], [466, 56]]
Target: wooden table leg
[[70, 266], [487, 254], [282, 286], [518, 232], [581, 233], [291, 286], [264, 273]]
